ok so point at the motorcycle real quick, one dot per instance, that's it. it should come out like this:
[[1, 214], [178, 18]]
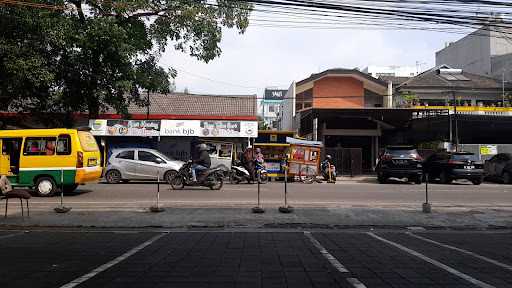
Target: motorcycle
[[325, 171], [238, 173], [211, 178], [260, 168]]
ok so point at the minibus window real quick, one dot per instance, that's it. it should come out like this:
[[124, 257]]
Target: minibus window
[[39, 146], [64, 145], [87, 141]]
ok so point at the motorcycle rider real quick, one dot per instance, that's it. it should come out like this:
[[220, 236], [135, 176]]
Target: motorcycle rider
[[202, 163], [325, 164]]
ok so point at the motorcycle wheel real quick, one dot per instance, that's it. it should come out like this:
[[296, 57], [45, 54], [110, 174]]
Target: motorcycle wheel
[[178, 183], [217, 184], [233, 179], [263, 178]]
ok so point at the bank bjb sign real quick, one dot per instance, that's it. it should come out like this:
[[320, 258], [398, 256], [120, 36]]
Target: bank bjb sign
[[206, 128], [274, 94]]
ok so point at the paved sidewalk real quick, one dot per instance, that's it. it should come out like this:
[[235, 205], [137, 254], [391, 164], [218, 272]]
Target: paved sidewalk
[[242, 217]]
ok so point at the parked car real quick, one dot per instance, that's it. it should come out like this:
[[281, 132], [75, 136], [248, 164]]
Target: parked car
[[400, 162], [499, 168], [448, 166], [140, 164]]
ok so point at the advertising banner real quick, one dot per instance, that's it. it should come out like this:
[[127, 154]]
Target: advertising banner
[[125, 127], [488, 149], [191, 128]]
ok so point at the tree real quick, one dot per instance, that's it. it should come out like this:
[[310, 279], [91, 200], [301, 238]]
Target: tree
[[92, 55]]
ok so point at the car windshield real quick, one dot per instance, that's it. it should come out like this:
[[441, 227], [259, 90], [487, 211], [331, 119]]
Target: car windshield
[[464, 157], [400, 152], [163, 156]]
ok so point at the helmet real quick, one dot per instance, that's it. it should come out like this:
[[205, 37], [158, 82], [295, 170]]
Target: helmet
[[202, 147], [328, 157]]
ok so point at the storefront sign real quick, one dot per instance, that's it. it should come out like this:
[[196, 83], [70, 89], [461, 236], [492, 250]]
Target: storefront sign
[[198, 128], [125, 127], [180, 128], [204, 128], [274, 94], [488, 149]]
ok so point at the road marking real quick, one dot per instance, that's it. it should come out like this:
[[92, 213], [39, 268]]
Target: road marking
[[11, 235], [433, 262], [115, 261], [334, 262], [492, 261], [356, 283]]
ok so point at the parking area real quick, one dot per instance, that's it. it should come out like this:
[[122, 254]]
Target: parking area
[[256, 259]]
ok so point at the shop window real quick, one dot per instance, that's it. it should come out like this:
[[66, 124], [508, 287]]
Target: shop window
[[128, 155], [271, 108], [39, 146], [64, 145], [307, 104], [298, 106]]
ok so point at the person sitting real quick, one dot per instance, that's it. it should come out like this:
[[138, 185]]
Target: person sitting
[[202, 163]]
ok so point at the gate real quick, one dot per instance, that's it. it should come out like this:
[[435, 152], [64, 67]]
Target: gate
[[348, 161]]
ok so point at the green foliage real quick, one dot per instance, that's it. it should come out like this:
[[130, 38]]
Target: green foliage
[[410, 98], [94, 55]]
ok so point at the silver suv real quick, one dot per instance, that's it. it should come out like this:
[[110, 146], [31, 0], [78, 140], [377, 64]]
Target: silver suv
[[140, 164]]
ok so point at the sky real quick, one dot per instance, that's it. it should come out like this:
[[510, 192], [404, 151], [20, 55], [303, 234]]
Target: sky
[[274, 57]]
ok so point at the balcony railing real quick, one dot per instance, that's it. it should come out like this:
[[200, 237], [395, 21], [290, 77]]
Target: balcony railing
[[475, 110]]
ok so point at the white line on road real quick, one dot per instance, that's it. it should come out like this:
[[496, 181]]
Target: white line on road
[[356, 283], [115, 261], [433, 262], [326, 253], [11, 235], [497, 263], [334, 262]]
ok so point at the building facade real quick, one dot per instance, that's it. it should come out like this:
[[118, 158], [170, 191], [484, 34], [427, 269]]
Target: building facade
[[394, 71], [271, 106], [487, 51]]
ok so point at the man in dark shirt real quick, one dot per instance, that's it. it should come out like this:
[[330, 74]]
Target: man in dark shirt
[[202, 163]]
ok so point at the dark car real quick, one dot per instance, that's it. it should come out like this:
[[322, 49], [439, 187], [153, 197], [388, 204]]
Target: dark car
[[499, 168], [448, 166], [400, 162]]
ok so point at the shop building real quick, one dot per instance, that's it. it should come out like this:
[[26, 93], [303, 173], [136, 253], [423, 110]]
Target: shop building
[[175, 123], [271, 106]]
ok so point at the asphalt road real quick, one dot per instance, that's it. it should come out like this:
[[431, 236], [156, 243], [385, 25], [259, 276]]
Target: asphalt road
[[360, 192], [295, 259]]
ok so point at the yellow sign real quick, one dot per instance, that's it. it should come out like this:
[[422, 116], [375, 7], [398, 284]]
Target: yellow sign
[[488, 150]]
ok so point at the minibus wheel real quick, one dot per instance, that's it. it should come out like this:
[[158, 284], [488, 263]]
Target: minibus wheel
[[45, 186]]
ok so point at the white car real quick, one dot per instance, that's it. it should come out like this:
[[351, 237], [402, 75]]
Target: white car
[[140, 164]]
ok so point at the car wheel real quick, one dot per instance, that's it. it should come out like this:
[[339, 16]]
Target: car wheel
[[381, 179], [45, 186], [445, 179], [169, 175], [477, 181], [507, 178], [418, 179], [113, 176]]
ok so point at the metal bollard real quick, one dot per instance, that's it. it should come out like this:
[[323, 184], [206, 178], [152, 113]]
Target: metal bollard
[[426, 207], [61, 208], [157, 207], [258, 209], [286, 208]]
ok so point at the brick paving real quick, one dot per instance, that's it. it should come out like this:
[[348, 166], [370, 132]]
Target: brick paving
[[479, 269], [247, 259]]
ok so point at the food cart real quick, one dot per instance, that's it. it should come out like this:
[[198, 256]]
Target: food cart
[[304, 157], [275, 150]]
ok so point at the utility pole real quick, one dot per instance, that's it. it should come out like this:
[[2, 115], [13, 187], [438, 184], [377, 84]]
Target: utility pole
[[147, 108], [455, 122]]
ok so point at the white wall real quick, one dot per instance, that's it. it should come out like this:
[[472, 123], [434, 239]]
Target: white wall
[[287, 113]]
